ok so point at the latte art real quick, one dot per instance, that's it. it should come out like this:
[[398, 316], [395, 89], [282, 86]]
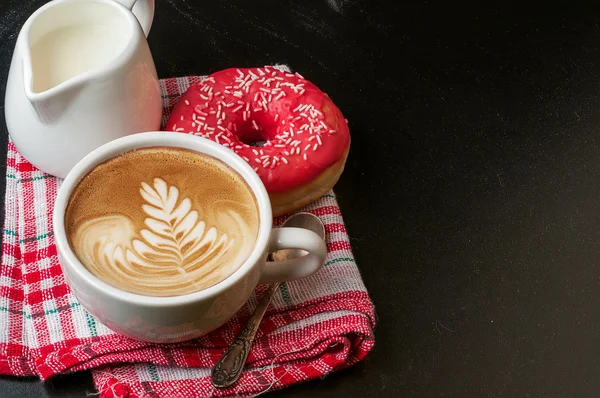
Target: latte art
[[176, 246]]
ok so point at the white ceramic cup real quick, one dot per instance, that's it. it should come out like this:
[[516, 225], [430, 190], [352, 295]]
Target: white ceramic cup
[[179, 318]]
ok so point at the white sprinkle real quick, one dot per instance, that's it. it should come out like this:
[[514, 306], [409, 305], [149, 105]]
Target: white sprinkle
[[243, 157], [260, 151], [193, 124], [221, 128], [288, 141], [204, 97], [253, 75], [311, 138], [319, 140], [297, 150], [283, 122], [255, 96], [279, 146], [223, 116], [315, 147], [332, 131], [257, 109], [180, 129], [238, 108], [187, 102], [266, 90], [238, 94], [276, 116], [266, 164], [304, 156], [306, 148], [260, 72], [247, 106], [193, 117], [244, 116], [227, 91], [299, 75], [257, 160], [255, 152], [284, 160], [323, 124], [286, 153], [254, 124], [240, 73], [280, 95], [264, 157], [219, 112]]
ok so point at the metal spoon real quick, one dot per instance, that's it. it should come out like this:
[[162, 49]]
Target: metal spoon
[[229, 367]]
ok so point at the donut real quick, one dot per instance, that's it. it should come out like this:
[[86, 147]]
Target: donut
[[288, 130]]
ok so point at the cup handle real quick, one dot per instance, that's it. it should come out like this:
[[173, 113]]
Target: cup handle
[[296, 268], [143, 10]]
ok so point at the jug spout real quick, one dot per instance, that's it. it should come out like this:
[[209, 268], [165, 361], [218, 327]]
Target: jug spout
[[68, 44], [52, 105]]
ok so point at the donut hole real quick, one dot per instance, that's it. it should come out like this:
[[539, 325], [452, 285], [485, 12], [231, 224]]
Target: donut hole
[[258, 143], [252, 137]]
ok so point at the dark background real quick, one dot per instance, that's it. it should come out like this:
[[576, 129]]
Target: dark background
[[472, 190]]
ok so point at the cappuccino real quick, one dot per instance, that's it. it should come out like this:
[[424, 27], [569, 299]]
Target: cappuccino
[[162, 221]]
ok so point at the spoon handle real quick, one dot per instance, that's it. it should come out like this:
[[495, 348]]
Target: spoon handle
[[229, 367]]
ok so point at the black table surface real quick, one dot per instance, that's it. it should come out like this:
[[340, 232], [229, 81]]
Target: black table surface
[[472, 190]]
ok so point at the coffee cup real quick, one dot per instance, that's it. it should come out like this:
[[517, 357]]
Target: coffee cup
[[176, 318]]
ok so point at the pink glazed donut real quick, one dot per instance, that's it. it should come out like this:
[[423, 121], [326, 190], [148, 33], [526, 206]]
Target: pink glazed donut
[[306, 137]]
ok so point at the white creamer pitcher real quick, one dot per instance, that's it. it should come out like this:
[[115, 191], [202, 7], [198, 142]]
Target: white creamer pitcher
[[81, 75]]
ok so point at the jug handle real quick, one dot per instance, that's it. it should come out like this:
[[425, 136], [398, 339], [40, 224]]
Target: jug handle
[[143, 10]]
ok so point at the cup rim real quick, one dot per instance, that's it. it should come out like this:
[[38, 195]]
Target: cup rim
[[154, 139]]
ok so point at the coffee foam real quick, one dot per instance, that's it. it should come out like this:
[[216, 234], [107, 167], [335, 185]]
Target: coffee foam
[[162, 221]]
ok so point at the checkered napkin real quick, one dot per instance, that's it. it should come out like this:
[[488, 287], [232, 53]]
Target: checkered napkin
[[313, 326]]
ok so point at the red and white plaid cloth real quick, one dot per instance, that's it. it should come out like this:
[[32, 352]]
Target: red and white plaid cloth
[[313, 327]]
